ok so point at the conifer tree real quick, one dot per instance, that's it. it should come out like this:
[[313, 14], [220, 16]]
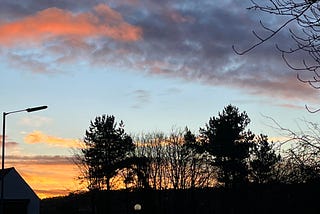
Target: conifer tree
[[105, 145], [227, 140]]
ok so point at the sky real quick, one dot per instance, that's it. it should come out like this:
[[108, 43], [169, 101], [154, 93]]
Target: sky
[[153, 64]]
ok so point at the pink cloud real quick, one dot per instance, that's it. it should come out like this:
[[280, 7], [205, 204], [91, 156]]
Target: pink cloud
[[179, 18], [8, 143], [12, 144], [292, 106], [51, 23]]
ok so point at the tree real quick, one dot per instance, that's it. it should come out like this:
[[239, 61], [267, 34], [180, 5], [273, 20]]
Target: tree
[[106, 145], [151, 147], [263, 161], [176, 157], [300, 157], [301, 19], [174, 161], [185, 167], [226, 139], [200, 172]]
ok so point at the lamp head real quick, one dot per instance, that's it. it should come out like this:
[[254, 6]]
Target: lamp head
[[36, 108]]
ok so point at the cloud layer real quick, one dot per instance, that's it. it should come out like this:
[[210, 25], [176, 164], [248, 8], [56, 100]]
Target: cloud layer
[[175, 39]]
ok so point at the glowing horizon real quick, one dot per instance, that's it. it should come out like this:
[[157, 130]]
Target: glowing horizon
[[47, 176]]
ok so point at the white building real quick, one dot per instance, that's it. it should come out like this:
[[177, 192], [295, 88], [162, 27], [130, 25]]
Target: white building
[[18, 196]]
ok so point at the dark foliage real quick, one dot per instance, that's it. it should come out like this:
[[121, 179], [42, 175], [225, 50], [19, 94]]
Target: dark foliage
[[227, 140], [263, 161], [224, 153], [106, 146]]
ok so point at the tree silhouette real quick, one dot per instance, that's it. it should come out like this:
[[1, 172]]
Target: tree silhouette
[[263, 161], [300, 157], [185, 167], [200, 171], [174, 161], [301, 19], [105, 146], [226, 139], [151, 147]]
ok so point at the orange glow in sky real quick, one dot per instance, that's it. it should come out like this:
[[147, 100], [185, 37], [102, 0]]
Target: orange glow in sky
[[47, 176]]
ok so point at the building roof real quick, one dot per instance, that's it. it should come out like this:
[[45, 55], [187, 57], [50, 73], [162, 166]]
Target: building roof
[[13, 185], [5, 171]]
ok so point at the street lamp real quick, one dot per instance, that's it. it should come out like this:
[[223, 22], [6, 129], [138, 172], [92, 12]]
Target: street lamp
[[38, 108]]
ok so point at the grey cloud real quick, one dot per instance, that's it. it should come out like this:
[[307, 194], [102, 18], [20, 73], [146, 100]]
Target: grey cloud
[[39, 159], [141, 98], [202, 51], [16, 9], [188, 40]]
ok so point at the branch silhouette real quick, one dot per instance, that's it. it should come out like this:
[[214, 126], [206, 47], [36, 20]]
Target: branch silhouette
[[305, 16]]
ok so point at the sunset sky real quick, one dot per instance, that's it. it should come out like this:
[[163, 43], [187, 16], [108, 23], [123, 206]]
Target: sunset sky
[[153, 64]]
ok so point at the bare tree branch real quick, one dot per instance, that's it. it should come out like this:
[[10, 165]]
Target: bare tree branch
[[302, 20], [297, 12]]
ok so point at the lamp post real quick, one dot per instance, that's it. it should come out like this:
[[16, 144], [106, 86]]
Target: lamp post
[[38, 108]]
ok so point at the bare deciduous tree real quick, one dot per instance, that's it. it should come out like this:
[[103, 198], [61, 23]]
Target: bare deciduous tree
[[300, 153], [173, 163], [301, 18], [151, 147]]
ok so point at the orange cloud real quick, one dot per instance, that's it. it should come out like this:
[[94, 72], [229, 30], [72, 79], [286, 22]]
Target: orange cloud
[[54, 23], [39, 137]]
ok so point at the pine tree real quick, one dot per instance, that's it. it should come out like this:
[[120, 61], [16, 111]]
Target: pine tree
[[106, 145], [263, 161], [226, 139]]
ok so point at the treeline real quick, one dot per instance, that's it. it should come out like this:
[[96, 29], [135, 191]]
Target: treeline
[[249, 199], [223, 153]]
